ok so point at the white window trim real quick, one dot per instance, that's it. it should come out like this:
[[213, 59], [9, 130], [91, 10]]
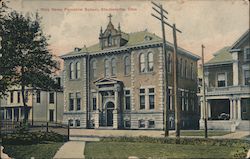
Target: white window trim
[[127, 89], [245, 55], [243, 75], [225, 78]]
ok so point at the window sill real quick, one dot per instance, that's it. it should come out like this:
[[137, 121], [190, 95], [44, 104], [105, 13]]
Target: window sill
[[128, 75], [145, 73], [78, 79]]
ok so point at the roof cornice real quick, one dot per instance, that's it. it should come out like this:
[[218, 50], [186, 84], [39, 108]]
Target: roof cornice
[[133, 47]]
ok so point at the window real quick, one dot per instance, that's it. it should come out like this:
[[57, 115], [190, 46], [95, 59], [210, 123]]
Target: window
[[51, 98], [127, 65], [78, 101], [113, 67], [169, 63], [150, 62], [247, 54], [71, 122], [18, 97], [127, 99], [142, 63], [170, 104], [182, 100], [11, 97], [151, 98], [71, 71], [127, 124], [186, 101], [185, 69], [192, 70], [247, 77], [180, 68], [141, 124], [94, 69], [26, 96], [78, 123], [106, 67], [71, 101], [94, 103], [151, 124], [38, 96], [221, 80], [58, 82], [142, 98], [78, 71], [192, 101], [109, 40]]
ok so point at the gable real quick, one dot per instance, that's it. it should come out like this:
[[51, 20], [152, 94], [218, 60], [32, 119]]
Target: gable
[[243, 41]]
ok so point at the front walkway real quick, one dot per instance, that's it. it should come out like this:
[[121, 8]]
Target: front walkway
[[71, 149]]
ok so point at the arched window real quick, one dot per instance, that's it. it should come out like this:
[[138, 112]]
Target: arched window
[[113, 67], [106, 67], [150, 62], [71, 71], [142, 63], [77, 70], [94, 69], [127, 65]]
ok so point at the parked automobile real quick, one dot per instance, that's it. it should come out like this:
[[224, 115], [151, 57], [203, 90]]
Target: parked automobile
[[223, 116]]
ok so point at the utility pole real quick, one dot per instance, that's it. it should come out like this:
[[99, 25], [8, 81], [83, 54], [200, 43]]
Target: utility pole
[[204, 92], [166, 94], [163, 22], [175, 85]]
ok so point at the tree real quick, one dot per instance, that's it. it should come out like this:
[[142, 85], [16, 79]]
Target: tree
[[5, 69], [25, 52]]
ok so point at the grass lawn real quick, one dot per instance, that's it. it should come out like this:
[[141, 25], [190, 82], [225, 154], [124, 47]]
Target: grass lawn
[[201, 132], [156, 150], [45, 150]]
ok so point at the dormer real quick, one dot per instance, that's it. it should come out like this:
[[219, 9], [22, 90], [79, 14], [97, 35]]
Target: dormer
[[111, 37]]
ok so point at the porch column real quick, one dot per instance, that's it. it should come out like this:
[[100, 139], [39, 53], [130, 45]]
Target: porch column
[[97, 110], [115, 112], [202, 109], [209, 109], [239, 108], [234, 109], [235, 69], [231, 108]]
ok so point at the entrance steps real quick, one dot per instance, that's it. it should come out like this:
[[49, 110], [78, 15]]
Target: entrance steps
[[84, 138], [105, 128]]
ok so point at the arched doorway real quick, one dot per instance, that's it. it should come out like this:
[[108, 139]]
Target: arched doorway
[[109, 108]]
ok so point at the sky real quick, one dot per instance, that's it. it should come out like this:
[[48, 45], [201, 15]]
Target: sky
[[75, 23]]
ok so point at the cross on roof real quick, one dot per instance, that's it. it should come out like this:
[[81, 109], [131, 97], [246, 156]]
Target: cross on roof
[[110, 16]]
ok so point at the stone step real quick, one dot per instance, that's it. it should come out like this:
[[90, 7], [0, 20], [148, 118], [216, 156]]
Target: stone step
[[83, 138]]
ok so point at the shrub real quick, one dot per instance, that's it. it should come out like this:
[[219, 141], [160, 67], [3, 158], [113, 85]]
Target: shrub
[[184, 141], [25, 138]]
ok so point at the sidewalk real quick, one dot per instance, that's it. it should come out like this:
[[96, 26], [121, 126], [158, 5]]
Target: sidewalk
[[235, 135], [116, 133], [71, 149]]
